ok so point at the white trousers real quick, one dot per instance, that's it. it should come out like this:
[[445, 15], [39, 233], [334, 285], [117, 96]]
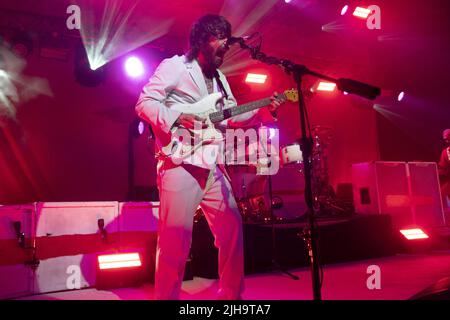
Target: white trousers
[[182, 189]]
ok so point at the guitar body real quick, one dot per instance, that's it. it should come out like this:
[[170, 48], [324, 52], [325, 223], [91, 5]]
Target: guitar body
[[178, 149], [185, 142]]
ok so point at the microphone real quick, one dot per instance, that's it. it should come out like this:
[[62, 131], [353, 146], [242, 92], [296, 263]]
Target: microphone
[[233, 40]]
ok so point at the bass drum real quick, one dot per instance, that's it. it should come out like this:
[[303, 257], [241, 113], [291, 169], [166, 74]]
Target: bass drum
[[245, 182], [288, 189], [252, 192]]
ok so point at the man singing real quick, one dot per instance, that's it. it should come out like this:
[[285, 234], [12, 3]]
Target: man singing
[[183, 187]]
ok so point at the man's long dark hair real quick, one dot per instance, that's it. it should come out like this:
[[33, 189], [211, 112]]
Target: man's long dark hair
[[205, 27]]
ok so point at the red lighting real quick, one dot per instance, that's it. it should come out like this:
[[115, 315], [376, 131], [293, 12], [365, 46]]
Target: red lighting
[[118, 261], [326, 86], [414, 234], [361, 12], [256, 78]]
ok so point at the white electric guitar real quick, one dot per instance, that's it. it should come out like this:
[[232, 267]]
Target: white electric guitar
[[178, 150]]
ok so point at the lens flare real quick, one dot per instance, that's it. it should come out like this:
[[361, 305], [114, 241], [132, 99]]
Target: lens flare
[[113, 28], [134, 67]]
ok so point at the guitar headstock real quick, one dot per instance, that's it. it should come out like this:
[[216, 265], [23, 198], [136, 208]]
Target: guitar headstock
[[291, 95]]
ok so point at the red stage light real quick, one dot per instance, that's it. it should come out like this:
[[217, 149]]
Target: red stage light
[[326, 86], [414, 234], [401, 96], [256, 78], [117, 261], [361, 12]]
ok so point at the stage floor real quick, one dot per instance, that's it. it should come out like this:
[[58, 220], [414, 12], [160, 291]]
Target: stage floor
[[402, 276]]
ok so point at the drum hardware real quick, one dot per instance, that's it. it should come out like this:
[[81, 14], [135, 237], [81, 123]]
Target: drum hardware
[[258, 210], [324, 197], [253, 209], [277, 203], [273, 206]]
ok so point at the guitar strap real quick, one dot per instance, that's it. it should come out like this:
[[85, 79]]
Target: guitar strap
[[221, 166], [219, 82]]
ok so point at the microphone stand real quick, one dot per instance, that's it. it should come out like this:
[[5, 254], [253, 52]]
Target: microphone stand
[[310, 233]]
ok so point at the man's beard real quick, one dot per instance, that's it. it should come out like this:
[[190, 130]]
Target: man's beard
[[219, 56], [214, 60]]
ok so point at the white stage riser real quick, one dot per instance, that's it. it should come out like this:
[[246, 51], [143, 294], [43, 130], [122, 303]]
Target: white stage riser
[[67, 241]]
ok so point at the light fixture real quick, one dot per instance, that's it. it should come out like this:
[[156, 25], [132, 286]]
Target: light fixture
[[136, 128], [326, 86], [119, 270], [344, 10], [141, 127], [134, 67], [361, 12], [84, 74], [414, 234], [118, 261], [256, 78]]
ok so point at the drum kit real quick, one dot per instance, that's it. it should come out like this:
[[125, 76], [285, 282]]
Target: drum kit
[[262, 198], [265, 198]]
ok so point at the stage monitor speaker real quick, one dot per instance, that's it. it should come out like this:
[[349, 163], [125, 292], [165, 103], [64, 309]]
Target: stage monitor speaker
[[409, 192]]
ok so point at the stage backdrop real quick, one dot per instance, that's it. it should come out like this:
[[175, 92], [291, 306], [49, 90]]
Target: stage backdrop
[[74, 145]]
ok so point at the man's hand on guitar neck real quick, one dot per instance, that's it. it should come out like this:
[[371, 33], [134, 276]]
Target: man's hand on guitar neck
[[276, 102], [187, 120]]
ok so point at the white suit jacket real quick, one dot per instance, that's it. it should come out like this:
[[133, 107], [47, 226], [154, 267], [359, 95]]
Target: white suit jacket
[[179, 81]]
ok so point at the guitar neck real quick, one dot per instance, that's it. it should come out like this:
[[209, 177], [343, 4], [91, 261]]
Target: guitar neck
[[219, 116]]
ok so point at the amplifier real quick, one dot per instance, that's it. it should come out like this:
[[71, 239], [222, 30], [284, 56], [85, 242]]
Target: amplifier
[[409, 192]]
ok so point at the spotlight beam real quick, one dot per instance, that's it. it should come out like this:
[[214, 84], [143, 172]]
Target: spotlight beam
[[114, 35], [15, 87], [8, 95], [334, 26], [244, 17]]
